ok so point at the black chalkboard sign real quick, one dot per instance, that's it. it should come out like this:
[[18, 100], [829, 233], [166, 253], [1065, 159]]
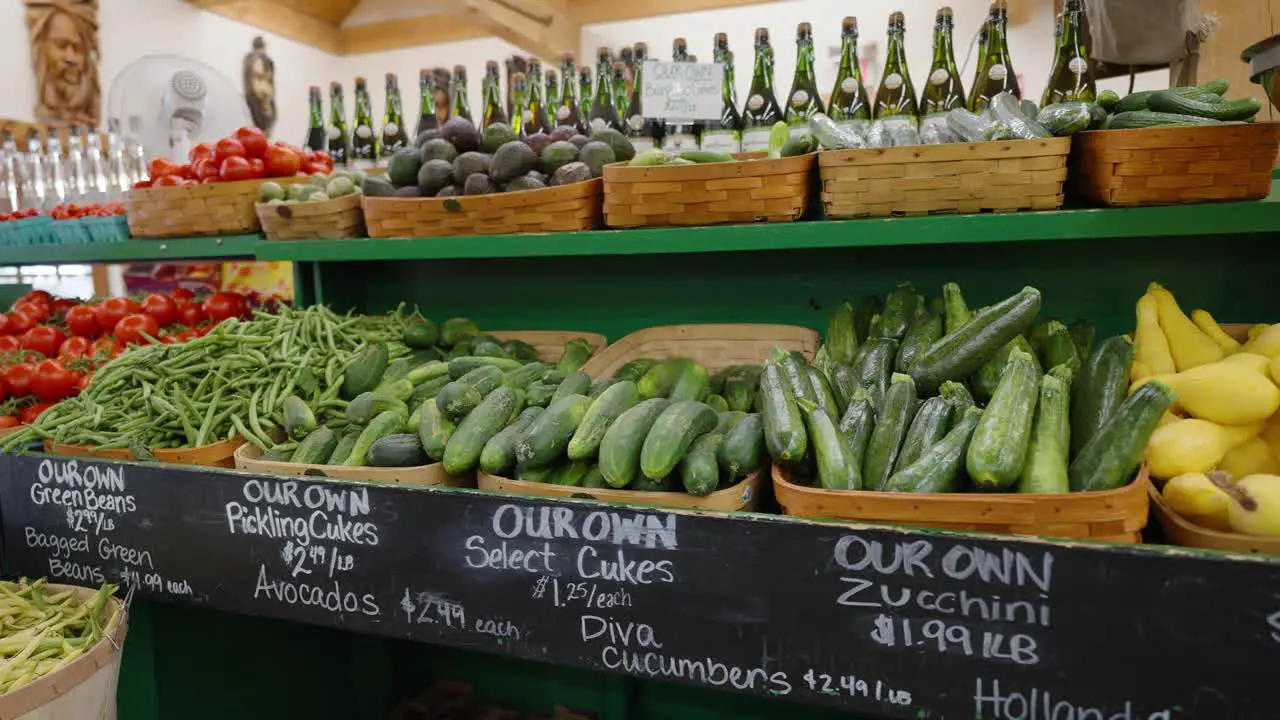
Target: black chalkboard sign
[[886, 622]]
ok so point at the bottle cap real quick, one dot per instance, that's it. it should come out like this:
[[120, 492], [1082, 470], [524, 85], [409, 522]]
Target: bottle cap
[[897, 19], [459, 70], [849, 26], [360, 81], [603, 52], [568, 56], [762, 35], [804, 30], [722, 39]]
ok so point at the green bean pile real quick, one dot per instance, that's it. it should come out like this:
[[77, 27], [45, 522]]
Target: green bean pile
[[229, 382], [41, 632]]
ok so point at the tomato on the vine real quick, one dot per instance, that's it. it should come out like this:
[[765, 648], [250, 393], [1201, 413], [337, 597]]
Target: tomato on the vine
[[282, 162], [10, 344], [168, 181], [9, 421], [253, 140], [190, 314], [62, 305], [222, 305], [112, 310], [83, 321], [181, 295], [202, 151], [82, 383], [105, 349], [20, 322], [130, 330], [43, 339], [161, 307], [162, 167], [235, 168], [31, 413], [75, 347], [17, 378], [52, 381], [228, 148], [36, 309], [258, 167], [5, 327]]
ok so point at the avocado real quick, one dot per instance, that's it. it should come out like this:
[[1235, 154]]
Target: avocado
[[479, 184], [470, 163], [557, 153], [438, 149], [434, 175], [540, 177], [403, 167], [596, 155], [448, 191], [461, 133], [563, 132], [538, 142], [408, 191], [497, 135], [524, 182], [374, 186], [579, 140], [574, 172], [622, 148], [424, 136], [511, 161]]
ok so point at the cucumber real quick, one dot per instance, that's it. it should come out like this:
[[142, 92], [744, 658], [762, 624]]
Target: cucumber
[[427, 391], [387, 423], [672, 434], [832, 136], [400, 389], [822, 390], [844, 382], [463, 365], [552, 377], [434, 430], [369, 405], [969, 126], [842, 338], [800, 145], [644, 484], [400, 450], [1111, 456], [939, 469], [958, 355], [575, 383], [599, 386], [396, 370], [571, 473], [783, 427], [421, 334], [542, 475], [1045, 469], [1058, 348], [795, 371], [602, 413], [499, 454], [342, 450], [539, 394], [958, 397], [717, 403], [1108, 99], [317, 447], [876, 367], [457, 329], [661, 378], [634, 369], [462, 452], [740, 387], [700, 471], [743, 450], [1082, 333], [726, 419], [524, 375], [545, 439], [892, 420], [703, 156], [999, 444], [1065, 118], [955, 311], [988, 376], [619, 455], [923, 332], [427, 371], [1224, 110], [457, 399], [836, 470], [1098, 389], [899, 311], [856, 424], [280, 453], [693, 383], [484, 379], [299, 420], [575, 355], [1009, 112], [931, 423], [364, 371], [488, 349], [594, 478], [520, 350], [1139, 119]]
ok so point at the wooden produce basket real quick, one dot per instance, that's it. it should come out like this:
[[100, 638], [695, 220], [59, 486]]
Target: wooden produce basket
[[744, 496], [219, 454], [550, 343], [86, 687], [952, 177], [714, 346], [554, 209], [340, 217], [1174, 165], [768, 190], [214, 209], [1181, 531], [1113, 515], [249, 458]]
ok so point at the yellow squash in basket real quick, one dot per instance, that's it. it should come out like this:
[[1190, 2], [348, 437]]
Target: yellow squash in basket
[[1254, 507], [1229, 393], [1258, 363], [1189, 345], [1210, 327], [1150, 348], [1198, 498], [1251, 457], [1193, 446], [1265, 341]]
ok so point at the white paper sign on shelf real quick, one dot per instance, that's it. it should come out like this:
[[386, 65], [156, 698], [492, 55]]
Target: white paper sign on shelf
[[682, 90]]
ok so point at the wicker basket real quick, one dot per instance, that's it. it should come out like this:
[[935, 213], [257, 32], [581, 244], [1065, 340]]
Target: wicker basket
[[185, 210], [248, 457], [1181, 531], [766, 190], [1113, 515], [550, 343], [555, 209], [744, 496], [219, 454], [953, 177], [337, 218], [714, 346], [1174, 165]]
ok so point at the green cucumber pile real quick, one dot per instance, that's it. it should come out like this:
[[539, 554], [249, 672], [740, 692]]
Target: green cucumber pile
[[1180, 106], [923, 395]]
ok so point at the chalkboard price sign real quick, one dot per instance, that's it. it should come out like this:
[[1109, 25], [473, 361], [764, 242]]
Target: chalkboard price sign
[[883, 621]]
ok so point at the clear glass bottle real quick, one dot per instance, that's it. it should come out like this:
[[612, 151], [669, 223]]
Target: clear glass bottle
[[316, 135], [804, 99], [339, 140], [117, 165], [426, 102], [725, 134], [569, 107], [14, 171], [896, 97], [95, 167], [35, 189], [1071, 79], [394, 137], [850, 105], [537, 121], [459, 104], [762, 109], [603, 111], [137, 154], [55, 172], [643, 134], [995, 68], [679, 135], [519, 102], [364, 143], [77, 174], [491, 89], [942, 91]]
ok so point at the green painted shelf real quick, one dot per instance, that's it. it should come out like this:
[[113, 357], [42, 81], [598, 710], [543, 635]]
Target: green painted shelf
[[230, 246]]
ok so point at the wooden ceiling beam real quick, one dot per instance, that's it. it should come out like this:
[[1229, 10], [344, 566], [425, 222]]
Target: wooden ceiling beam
[[280, 20], [544, 28], [413, 32]]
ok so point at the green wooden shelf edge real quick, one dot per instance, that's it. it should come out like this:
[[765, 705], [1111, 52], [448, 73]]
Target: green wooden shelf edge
[[182, 248]]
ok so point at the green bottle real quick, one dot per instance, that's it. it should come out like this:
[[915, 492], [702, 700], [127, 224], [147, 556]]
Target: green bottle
[[426, 101], [896, 98], [762, 109], [642, 133], [723, 135], [804, 99], [621, 92], [679, 135], [459, 105], [943, 90], [995, 69], [339, 140], [394, 137], [364, 144], [316, 135], [586, 89], [491, 90], [537, 120], [520, 103], [850, 105], [569, 106], [553, 92], [1071, 79], [604, 113]]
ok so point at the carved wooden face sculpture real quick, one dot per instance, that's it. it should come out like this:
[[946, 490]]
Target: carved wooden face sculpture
[[63, 35], [260, 86]]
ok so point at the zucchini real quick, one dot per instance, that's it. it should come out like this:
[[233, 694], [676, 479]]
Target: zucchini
[[1008, 111], [783, 427], [520, 350], [524, 375], [545, 439], [795, 372], [299, 420], [538, 394], [575, 383], [717, 403], [634, 369], [575, 355], [868, 307], [999, 444], [822, 390], [387, 423], [1224, 110], [876, 367], [434, 430], [661, 378], [700, 471], [619, 455], [931, 423], [899, 311], [1082, 332], [743, 452], [955, 311], [1099, 389], [940, 468], [740, 386], [842, 337], [924, 332], [958, 355], [822, 361], [369, 405], [1111, 456], [988, 376], [892, 421], [1045, 469], [401, 450], [462, 452], [672, 434], [364, 371], [602, 413], [1065, 118], [958, 397], [844, 382], [836, 470], [693, 383], [463, 365], [1139, 119], [499, 454], [316, 448], [856, 424], [342, 450], [422, 334], [1058, 348]]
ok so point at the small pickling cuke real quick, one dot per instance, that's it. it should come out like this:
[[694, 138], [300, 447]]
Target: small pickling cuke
[[672, 434]]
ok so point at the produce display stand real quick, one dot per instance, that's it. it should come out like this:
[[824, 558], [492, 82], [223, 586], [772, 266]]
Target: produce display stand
[[779, 600]]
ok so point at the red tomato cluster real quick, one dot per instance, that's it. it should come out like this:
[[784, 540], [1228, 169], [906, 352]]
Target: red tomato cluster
[[72, 211], [246, 155]]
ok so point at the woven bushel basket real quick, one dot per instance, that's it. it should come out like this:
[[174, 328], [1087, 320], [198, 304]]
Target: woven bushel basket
[[213, 209], [1174, 165], [555, 209], [953, 177], [337, 218], [768, 190]]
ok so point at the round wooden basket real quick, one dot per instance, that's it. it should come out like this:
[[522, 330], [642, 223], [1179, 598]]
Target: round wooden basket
[[743, 496], [248, 457], [1181, 531], [337, 218], [761, 190], [563, 208], [185, 210], [1114, 515], [219, 454], [952, 177], [550, 343], [1174, 165], [713, 346]]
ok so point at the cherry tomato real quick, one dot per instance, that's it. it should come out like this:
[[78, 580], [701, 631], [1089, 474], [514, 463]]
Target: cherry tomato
[[258, 166], [235, 168], [253, 140], [9, 421], [130, 329], [31, 413], [222, 305], [168, 181], [282, 162], [20, 322], [105, 349], [202, 151], [181, 295], [75, 347], [43, 339], [17, 378], [228, 148], [162, 167], [161, 307], [82, 320], [9, 344]]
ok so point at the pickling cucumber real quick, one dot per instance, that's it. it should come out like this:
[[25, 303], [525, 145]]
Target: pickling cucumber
[[672, 434]]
